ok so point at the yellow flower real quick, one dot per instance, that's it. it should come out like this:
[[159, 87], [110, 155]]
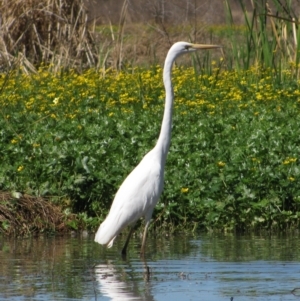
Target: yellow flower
[[221, 164], [184, 190], [36, 145], [292, 179], [20, 168], [14, 141], [259, 96], [289, 160], [110, 114], [55, 100]]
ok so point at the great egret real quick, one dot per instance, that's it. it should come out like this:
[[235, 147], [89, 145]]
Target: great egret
[[142, 188]]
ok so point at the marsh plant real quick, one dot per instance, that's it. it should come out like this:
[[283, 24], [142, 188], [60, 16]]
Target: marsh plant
[[233, 162], [71, 137]]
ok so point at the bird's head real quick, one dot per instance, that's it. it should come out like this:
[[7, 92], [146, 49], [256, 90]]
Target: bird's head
[[184, 47]]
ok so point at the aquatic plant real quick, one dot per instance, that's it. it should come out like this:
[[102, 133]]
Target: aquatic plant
[[233, 164], [233, 161]]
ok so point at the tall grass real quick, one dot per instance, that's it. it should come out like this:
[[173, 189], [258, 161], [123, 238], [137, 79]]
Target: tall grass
[[55, 33], [269, 38], [58, 34]]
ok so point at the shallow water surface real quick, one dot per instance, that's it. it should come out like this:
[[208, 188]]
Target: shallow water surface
[[204, 267]]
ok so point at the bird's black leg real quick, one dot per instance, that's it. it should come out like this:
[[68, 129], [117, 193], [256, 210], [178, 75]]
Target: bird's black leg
[[147, 272], [124, 250]]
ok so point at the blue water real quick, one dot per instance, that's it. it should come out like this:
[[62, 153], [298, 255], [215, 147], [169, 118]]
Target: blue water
[[202, 267]]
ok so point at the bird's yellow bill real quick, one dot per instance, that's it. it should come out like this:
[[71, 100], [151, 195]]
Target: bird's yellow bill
[[205, 46]]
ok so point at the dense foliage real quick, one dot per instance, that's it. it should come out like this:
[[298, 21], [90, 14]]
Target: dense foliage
[[234, 157]]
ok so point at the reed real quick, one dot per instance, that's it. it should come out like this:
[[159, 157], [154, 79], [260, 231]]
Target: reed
[[22, 214], [48, 32], [269, 38]]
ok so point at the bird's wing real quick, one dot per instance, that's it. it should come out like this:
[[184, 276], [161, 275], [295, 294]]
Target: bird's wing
[[137, 195]]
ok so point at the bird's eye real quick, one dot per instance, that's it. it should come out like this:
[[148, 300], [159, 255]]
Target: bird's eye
[[187, 47]]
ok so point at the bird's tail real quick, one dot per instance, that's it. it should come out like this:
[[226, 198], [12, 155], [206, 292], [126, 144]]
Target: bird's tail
[[104, 235]]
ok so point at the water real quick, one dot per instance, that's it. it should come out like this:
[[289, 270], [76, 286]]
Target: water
[[205, 267]]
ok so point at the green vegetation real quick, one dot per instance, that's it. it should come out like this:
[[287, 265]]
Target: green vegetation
[[233, 163], [72, 137]]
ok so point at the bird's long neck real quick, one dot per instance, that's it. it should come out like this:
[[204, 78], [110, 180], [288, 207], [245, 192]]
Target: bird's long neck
[[164, 139]]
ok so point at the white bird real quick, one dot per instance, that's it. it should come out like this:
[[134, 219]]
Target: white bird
[[140, 191]]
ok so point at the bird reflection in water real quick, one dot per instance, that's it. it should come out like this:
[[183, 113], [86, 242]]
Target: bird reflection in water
[[125, 283]]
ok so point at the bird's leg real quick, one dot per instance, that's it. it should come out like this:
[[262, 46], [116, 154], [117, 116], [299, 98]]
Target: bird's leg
[[127, 240], [144, 238], [147, 271]]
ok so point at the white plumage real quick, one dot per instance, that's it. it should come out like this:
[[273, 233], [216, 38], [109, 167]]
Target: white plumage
[[142, 189], [139, 193]]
